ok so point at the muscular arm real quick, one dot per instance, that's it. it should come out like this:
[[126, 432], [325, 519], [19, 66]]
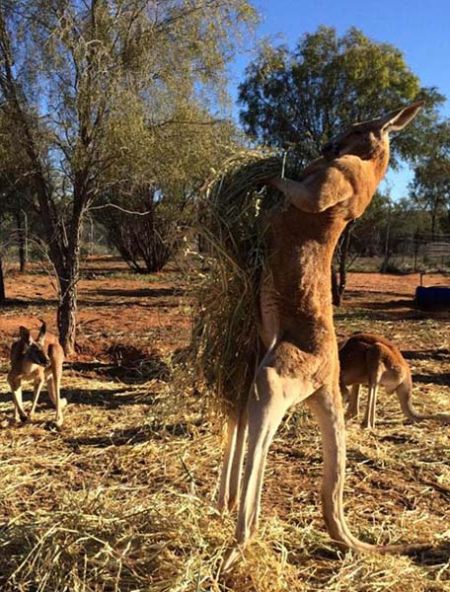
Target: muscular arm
[[318, 191]]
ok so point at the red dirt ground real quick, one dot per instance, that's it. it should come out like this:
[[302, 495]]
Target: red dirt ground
[[118, 307], [114, 306]]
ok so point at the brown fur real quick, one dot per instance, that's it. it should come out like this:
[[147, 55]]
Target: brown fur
[[301, 360], [39, 360], [373, 360]]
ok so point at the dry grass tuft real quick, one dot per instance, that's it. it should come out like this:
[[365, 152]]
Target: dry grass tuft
[[232, 221]]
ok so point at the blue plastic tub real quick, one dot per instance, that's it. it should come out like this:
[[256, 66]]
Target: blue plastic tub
[[433, 297]]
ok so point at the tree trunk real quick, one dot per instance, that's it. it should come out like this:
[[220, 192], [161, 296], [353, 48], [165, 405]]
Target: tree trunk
[[68, 288], [335, 287], [22, 238], [2, 284], [339, 279], [63, 256], [387, 249], [433, 222], [67, 314]]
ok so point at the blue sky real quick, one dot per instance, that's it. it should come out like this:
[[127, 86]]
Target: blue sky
[[420, 29]]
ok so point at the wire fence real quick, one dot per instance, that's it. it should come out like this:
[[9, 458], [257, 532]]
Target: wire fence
[[423, 253], [418, 253]]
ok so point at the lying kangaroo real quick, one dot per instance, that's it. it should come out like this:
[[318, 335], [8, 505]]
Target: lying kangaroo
[[301, 360], [36, 360], [374, 360]]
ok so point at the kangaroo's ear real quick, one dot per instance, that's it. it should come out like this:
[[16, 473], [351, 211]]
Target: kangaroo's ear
[[398, 119], [25, 334], [42, 332]]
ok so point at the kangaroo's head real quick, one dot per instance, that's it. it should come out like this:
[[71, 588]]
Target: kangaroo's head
[[33, 351], [370, 139]]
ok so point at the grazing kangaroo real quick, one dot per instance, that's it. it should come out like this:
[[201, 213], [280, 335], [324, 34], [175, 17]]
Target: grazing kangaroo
[[301, 354], [36, 360], [374, 360]]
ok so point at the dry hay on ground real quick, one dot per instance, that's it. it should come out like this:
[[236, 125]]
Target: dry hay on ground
[[123, 498]]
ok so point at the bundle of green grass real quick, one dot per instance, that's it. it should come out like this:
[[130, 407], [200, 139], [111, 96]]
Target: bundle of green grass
[[233, 223]]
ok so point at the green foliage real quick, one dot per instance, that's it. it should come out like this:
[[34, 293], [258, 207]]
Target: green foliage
[[302, 97], [102, 93], [118, 82], [385, 219], [123, 91], [430, 188], [178, 157]]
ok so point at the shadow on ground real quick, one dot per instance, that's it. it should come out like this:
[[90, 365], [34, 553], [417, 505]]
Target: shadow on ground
[[156, 297], [20, 303], [442, 354], [141, 293], [135, 435], [130, 367], [438, 555], [433, 555], [391, 304], [108, 398], [441, 378], [381, 314]]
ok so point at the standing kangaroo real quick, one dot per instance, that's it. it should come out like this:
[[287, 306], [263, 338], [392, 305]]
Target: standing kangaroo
[[301, 360], [36, 360], [374, 360]]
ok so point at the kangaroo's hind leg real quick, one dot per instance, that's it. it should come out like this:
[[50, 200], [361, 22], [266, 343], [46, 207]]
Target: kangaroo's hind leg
[[353, 402], [375, 370], [268, 402], [327, 408], [54, 391]]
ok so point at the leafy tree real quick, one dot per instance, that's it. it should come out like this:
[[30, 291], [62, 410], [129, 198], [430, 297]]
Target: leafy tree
[[14, 186], [299, 99], [89, 86], [184, 153], [430, 188], [147, 241]]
